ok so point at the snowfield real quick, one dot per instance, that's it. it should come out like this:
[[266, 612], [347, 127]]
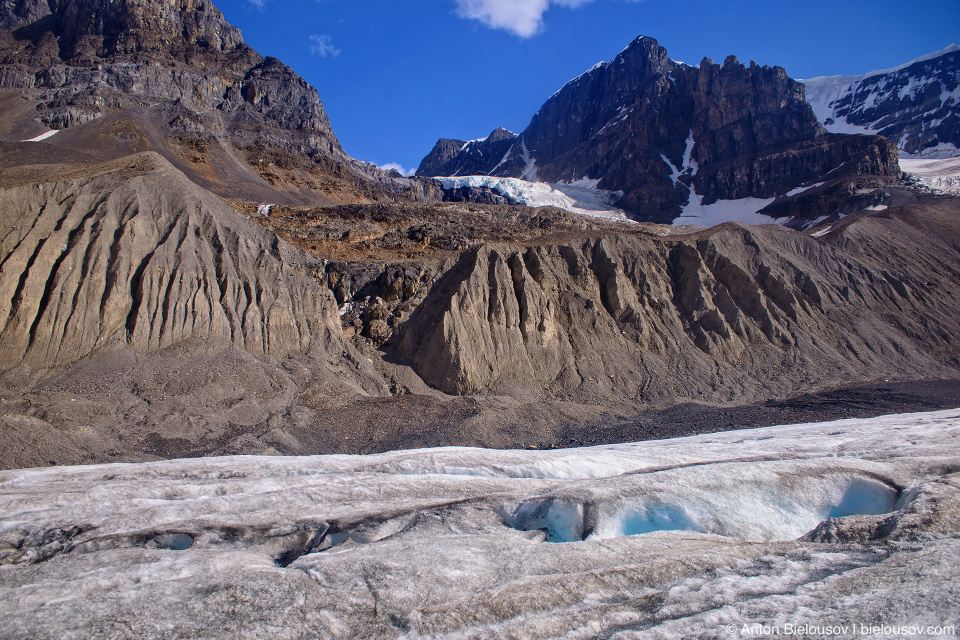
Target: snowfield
[[695, 212], [745, 210], [846, 523]]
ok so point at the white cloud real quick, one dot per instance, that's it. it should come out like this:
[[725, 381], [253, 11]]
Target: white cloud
[[322, 46], [398, 167], [520, 17]]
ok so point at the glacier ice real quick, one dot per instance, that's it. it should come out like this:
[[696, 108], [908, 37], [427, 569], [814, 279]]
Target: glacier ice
[[841, 522]]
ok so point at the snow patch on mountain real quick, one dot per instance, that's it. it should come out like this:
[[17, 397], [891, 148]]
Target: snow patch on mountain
[[530, 168], [744, 210], [823, 93], [43, 136], [689, 164], [580, 197]]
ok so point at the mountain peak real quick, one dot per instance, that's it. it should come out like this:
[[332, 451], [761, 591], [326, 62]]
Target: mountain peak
[[643, 53], [500, 134], [172, 76], [627, 124]]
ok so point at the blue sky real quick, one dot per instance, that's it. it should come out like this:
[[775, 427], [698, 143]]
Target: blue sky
[[397, 75]]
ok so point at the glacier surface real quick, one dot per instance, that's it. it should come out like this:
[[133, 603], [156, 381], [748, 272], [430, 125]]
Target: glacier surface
[[580, 197], [846, 523], [940, 176]]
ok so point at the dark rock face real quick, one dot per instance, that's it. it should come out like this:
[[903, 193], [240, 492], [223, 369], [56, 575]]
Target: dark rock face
[[623, 121], [86, 31], [476, 157], [917, 107], [442, 152], [824, 158], [271, 91], [84, 57]]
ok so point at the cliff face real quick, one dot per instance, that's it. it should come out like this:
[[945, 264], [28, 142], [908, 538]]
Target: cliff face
[[84, 57], [435, 162], [83, 32], [740, 131], [475, 157]]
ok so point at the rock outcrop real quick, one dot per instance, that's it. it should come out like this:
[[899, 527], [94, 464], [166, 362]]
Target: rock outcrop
[[742, 131], [476, 157], [435, 162]]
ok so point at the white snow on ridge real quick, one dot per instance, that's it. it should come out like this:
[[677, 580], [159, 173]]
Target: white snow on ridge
[[940, 175], [575, 80], [930, 56], [800, 190], [580, 197], [477, 141], [824, 92]]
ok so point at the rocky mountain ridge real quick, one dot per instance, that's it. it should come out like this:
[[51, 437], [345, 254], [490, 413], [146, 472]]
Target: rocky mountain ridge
[[174, 77], [735, 299], [630, 122], [916, 105]]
